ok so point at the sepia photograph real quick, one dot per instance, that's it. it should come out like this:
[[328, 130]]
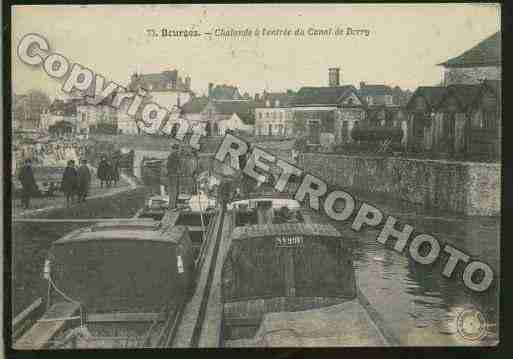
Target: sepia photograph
[[264, 175]]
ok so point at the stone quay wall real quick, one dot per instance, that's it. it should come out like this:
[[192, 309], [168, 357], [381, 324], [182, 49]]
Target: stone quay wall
[[467, 188]]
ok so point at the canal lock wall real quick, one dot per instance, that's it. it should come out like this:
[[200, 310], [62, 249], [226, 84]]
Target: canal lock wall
[[467, 188]]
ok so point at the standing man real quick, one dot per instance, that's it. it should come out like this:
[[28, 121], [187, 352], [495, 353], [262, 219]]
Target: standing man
[[103, 171], [243, 184], [83, 180], [173, 175], [69, 182], [28, 183], [193, 164], [224, 192]]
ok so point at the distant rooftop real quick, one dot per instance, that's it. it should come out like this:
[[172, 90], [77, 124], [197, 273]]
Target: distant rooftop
[[329, 95], [163, 81], [243, 109], [224, 92], [433, 95], [375, 90]]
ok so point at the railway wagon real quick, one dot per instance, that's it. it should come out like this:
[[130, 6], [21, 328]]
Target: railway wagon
[[113, 286]]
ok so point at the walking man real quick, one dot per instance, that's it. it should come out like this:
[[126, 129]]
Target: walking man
[[83, 180], [69, 182], [173, 175], [103, 171], [28, 183]]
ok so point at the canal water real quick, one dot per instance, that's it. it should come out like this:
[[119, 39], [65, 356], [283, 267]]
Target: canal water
[[418, 305]]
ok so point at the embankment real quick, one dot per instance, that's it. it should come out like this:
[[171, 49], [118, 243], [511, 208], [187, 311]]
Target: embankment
[[467, 188]]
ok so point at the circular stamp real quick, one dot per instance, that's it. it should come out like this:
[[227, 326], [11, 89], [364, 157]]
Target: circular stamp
[[471, 324]]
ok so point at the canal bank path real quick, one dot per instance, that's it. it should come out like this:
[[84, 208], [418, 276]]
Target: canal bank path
[[126, 184]]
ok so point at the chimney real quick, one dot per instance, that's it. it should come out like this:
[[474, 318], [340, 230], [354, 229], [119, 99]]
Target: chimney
[[362, 85], [334, 76], [210, 87]]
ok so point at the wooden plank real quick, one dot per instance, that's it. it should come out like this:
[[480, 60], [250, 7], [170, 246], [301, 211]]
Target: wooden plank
[[245, 322], [42, 332], [71, 220], [124, 317], [184, 334], [195, 228], [27, 313], [211, 330]]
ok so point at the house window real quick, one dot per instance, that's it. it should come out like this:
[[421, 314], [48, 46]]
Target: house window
[[270, 133], [344, 131], [260, 115], [267, 114], [489, 119]]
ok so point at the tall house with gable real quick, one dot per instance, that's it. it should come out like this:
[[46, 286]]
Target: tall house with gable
[[327, 114], [481, 62]]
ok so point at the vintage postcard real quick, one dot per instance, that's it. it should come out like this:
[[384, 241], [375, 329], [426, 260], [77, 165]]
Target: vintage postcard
[[266, 175]]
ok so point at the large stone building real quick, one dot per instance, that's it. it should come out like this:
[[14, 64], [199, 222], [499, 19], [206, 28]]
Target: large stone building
[[166, 88], [273, 115], [223, 109], [328, 114], [481, 62]]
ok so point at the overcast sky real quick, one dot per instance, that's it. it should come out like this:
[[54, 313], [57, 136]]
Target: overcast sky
[[405, 43]]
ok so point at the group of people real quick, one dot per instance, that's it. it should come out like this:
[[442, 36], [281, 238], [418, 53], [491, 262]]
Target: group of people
[[108, 171], [76, 181], [52, 153]]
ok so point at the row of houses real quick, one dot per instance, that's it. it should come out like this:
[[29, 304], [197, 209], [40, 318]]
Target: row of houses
[[326, 114], [462, 114]]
